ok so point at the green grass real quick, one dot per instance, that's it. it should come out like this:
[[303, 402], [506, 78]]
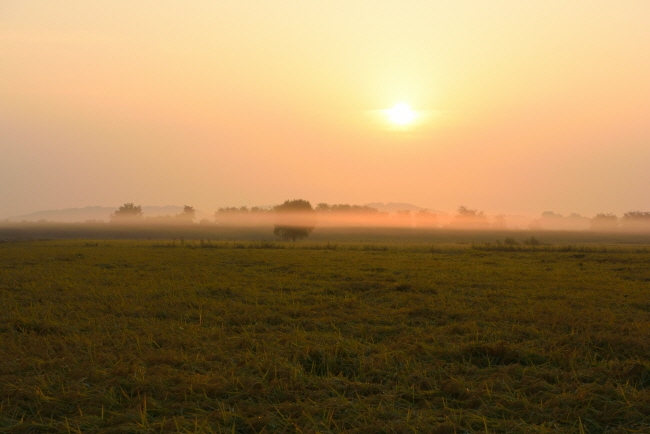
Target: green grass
[[251, 337]]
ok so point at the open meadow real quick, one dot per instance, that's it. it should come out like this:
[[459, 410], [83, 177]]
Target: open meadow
[[368, 217], [255, 336]]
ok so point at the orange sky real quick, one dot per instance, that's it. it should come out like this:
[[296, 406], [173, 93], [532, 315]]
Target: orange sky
[[524, 106]]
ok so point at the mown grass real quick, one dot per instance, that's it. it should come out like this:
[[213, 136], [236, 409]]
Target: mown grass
[[250, 337]]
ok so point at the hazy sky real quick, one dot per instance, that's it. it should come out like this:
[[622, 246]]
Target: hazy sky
[[522, 107]]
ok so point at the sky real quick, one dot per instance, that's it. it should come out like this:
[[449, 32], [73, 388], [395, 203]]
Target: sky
[[520, 107]]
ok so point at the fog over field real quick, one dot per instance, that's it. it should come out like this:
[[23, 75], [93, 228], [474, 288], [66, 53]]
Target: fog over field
[[323, 215]]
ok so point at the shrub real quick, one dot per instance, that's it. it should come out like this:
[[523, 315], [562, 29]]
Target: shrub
[[532, 241]]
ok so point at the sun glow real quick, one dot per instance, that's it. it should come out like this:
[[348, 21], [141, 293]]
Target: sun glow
[[401, 114]]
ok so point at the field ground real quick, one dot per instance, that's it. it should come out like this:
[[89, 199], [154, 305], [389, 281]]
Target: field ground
[[361, 234], [256, 336]]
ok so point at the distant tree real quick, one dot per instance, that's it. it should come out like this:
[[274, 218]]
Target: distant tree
[[188, 214], [403, 217], [293, 233], [551, 215], [636, 220], [555, 221], [238, 216], [603, 222], [466, 213], [365, 209], [225, 210], [296, 220], [425, 217], [235, 210], [127, 213], [470, 218], [637, 215], [344, 207], [296, 205]]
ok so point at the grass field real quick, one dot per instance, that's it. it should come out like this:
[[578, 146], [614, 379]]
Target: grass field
[[251, 337]]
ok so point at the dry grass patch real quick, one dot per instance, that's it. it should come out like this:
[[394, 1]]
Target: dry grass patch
[[257, 337]]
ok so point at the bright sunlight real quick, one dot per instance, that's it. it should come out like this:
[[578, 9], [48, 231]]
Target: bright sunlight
[[401, 114]]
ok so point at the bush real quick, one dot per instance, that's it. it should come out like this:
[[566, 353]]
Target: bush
[[296, 220], [532, 241]]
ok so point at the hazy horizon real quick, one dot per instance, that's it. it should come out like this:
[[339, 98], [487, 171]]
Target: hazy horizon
[[386, 207], [323, 215], [392, 205], [517, 108]]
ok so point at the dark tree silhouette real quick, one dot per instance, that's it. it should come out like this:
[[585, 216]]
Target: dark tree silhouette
[[637, 216], [187, 214], [293, 233], [470, 218], [127, 212], [465, 212], [296, 220]]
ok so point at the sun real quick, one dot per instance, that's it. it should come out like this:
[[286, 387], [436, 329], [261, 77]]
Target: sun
[[401, 114]]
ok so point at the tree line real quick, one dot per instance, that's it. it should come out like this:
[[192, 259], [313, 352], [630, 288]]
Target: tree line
[[296, 219], [131, 213], [630, 220]]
